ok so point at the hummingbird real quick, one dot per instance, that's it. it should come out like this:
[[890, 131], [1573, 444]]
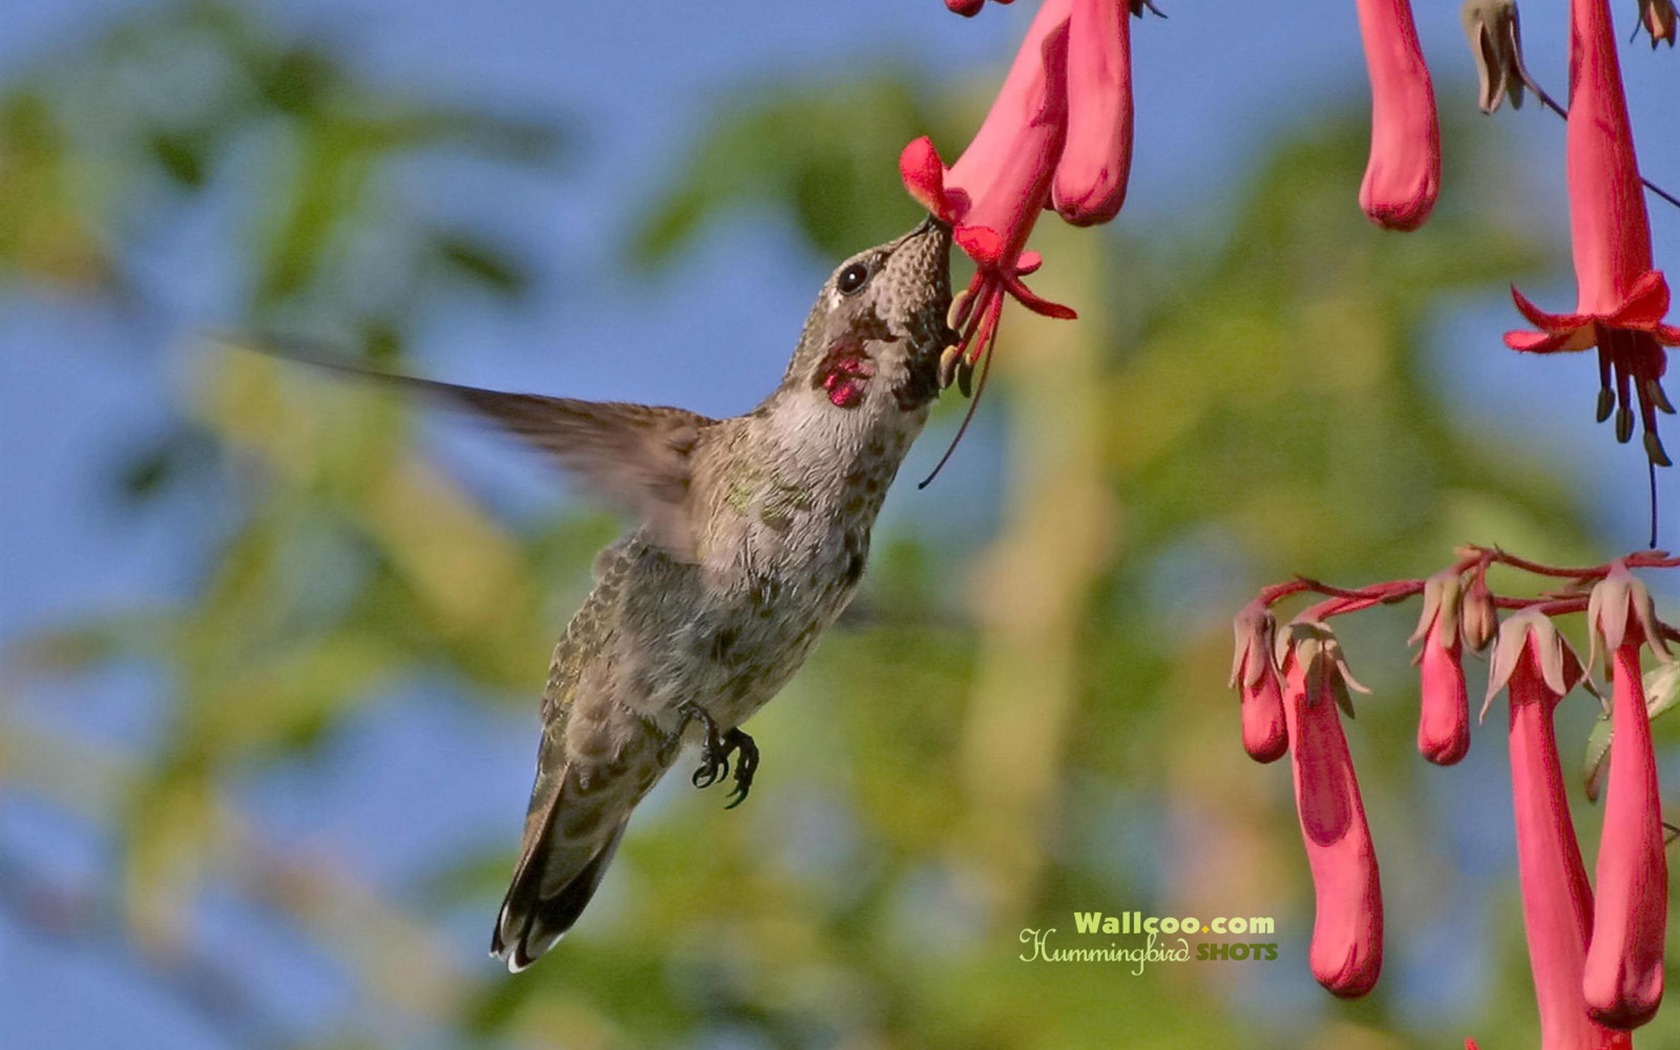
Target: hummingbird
[[751, 536]]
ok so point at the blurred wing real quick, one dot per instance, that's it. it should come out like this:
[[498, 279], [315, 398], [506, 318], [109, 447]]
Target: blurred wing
[[635, 456]]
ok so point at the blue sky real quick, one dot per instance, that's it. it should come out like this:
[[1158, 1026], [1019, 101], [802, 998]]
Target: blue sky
[[639, 80]]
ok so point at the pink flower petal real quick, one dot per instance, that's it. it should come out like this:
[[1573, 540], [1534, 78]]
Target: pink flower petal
[[1346, 951], [1557, 902], [1006, 170], [1609, 229], [1090, 181], [924, 176], [1403, 174], [1646, 304], [1444, 719], [1540, 343], [1550, 323], [1623, 980], [1265, 732]]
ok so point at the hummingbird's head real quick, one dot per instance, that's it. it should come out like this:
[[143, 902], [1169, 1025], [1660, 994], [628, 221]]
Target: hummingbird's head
[[878, 328]]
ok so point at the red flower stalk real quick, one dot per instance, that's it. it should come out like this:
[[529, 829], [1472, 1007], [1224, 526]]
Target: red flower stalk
[[1539, 668], [1346, 951], [1623, 983], [1621, 300], [1403, 174], [1444, 716], [1254, 675]]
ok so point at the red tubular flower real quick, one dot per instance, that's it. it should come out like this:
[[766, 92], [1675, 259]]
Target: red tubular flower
[[1444, 717], [1623, 982], [1346, 952], [1621, 300], [993, 194], [1090, 181], [1255, 676], [969, 8], [995, 191], [1403, 175], [1557, 902]]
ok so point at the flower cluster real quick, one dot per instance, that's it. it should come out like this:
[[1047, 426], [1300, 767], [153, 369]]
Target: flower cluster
[[1597, 959], [1059, 137]]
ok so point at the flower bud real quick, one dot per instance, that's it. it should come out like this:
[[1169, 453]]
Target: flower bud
[[1255, 677], [1495, 34]]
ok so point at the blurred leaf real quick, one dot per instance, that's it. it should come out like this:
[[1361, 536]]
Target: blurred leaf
[[483, 263], [180, 453], [182, 155], [47, 224], [1662, 693], [1598, 751], [824, 152], [297, 79]]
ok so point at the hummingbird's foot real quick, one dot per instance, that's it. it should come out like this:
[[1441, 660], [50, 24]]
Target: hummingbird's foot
[[735, 740], [714, 754]]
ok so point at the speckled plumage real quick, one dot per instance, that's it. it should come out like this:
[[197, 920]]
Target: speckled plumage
[[753, 533], [718, 599]]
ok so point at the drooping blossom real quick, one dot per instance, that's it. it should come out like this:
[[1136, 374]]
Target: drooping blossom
[[1059, 134], [1495, 33], [1403, 174], [1623, 982], [1621, 301], [1537, 667], [1443, 734], [1657, 18], [1346, 951], [993, 194], [1255, 677], [1090, 182], [969, 8]]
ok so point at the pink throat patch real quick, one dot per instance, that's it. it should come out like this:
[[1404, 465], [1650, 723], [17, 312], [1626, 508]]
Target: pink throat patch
[[846, 373]]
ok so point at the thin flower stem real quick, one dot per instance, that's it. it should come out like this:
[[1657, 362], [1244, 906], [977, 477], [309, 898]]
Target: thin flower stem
[[1494, 554], [1278, 591], [1339, 601], [1550, 604]]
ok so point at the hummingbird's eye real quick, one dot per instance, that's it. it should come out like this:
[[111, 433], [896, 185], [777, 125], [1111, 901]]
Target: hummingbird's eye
[[852, 278]]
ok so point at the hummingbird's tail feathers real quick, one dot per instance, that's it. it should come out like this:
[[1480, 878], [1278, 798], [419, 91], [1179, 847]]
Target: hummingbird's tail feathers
[[550, 889]]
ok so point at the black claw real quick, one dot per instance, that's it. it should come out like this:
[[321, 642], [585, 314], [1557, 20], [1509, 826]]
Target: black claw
[[714, 754], [740, 742]]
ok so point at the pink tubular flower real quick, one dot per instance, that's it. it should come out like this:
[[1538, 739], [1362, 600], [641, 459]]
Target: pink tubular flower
[[969, 8], [1346, 952], [1623, 983], [1444, 719], [1255, 676], [1621, 300], [995, 191], [1090, 181], [1532, 660], [1403, 175]]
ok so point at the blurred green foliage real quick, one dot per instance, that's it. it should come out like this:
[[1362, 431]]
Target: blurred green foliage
[[1023, 729]]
